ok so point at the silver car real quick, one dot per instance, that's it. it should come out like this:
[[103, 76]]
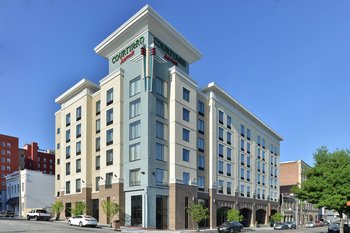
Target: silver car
[[310, 224], [291, 225]]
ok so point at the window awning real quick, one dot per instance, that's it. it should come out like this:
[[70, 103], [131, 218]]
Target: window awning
[[12, 201]]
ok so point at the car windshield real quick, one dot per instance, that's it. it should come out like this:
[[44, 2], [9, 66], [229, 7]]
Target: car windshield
[[41, 211], [88, 216]]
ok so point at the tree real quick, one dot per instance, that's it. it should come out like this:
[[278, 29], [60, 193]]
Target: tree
[[110, 208], [327, 183], [234, 215], [57, 208], [79, 208], [197, 213], [277, 217]]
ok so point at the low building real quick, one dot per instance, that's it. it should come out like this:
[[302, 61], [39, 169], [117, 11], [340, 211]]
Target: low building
[[36, 191]]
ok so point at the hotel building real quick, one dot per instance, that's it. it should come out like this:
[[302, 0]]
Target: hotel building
[[149, 139]]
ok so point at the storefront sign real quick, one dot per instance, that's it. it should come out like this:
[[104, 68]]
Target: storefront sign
[[128, 52], [170, 55]]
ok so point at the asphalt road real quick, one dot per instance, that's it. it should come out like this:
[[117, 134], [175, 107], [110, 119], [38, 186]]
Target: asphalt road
[[13, 225]]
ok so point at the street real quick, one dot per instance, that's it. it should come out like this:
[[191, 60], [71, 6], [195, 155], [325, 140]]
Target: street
[[13, 225]]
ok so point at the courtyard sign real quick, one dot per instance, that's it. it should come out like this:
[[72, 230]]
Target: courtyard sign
[[128, 52], [170, 55]]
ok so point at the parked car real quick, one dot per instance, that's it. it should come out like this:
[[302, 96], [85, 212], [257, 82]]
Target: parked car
[[335, 228], [280, 226], [230, 227], [7, 213], [82, 220], [291, 225], [38, 214], [310, 224], [319, 223]]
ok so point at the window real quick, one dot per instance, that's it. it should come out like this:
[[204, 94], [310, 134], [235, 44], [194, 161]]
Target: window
[[242, 130], [68, 119], [221, 150], [221, 186], [201, 162], [67, 152], [263, 167], [221, 117], [228, 188], [97, 162], [161, 176], [134, 108], [109, 116], [271, 148], [248, 175], [200, 144], [242, 159], [98, 107], [77, 185], [200, 108], [185, 114], [109, 177], [134, 130], [78, 148], [242, 190], [58, 161], [58, 146], [98, 144], [109, 98], [258, 166], [248, 191], [200, 125], [258, 140], [221, 167], [221, 134], [161, 87], [134, 178], [135, 86], [78, 113], [68, 135], [242, 173], [242, 145], [109, 157], [161, 108], [229, 153], [248, 147], [98, 126], [185, 135], [263, 143], [248, 161], [248, 134], [67, 187], [58, 130], [67, 168], [229, 122], [186, 94], [186, 177], [109, 137], [258, 178], [263, 155], [134, 152], [228, 138], [185, 155], [78, 131], [201, 183], [97, 181], [78, 166], [58, 177], [160, 151], [229, 168], [159, 130]]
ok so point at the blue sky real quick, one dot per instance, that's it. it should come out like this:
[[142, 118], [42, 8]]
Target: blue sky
[[287, 61]]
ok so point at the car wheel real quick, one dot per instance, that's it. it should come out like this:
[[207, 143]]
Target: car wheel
[[80, 224], [69, 224], [28, 217], [36, 218]]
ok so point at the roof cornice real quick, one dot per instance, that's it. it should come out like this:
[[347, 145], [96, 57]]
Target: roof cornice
[[81, 85]]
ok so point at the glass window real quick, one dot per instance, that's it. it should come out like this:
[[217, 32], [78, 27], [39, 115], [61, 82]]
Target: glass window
[[248, 161], [78, 131], [185, 115], [242, 159], [160, 130], [221, 150], [221, 167], [263, 143], [160, 151], [161, 87], [186, 94], [258, 140], [135, 152], [221, 186], [58, 146], [201, 182], [68, 168], [242, 145], [134, 178], [135, 86], [221, 117], [97, 181], [201, 162], [67, 152], [67, 187], [98, 125], [185, 155], [200, 125], [161, 176], [200, 144], [109, 116], [98, 107], [68, 119], [109, 157], [242, 130], [242, 173], [228, 138], [258, 178], [248, 191], [248, 134], [98, 162], [229, 122], [134, 130], [98, 144], [134, 108], [258, 165], [109, 137], [109, 177], [78, 148], [161, 108], [58, 130], [78, 113], [200, 108], [186, 177], [248, 175], [229, 168], [248, 147], [229, 153], [109, 96], [221, 134], [68, 135], [78, 166], [185, 135]]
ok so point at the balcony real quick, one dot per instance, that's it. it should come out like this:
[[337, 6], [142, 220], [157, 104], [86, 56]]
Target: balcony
[[134, 183]]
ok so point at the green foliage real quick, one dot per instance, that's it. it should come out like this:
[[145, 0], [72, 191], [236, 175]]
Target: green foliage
[[197, 213], [110, 208], [57, 208], [277, 217], [79, 208], [234, 215]]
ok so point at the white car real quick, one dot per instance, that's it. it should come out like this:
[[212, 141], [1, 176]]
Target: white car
[[82, 220], [310, 224]]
